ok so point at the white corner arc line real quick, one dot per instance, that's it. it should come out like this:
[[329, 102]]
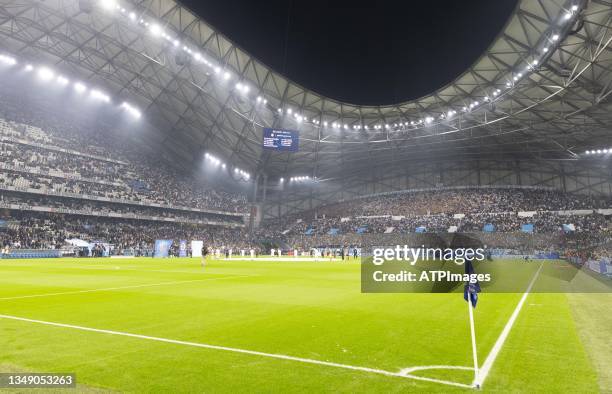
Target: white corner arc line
[[242, 351], [488, 364], [119, 288]]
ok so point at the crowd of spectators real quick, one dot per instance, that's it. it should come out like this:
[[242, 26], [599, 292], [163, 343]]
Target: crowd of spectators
[[32, 157], [465, 200], [543, 222], [97, 208], [29, 230], [545, 209]]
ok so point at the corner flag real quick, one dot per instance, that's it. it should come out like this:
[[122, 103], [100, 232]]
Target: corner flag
[[470, 292], [471, 289]]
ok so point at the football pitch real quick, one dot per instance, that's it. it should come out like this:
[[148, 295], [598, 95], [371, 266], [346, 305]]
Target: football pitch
[[136, 325]]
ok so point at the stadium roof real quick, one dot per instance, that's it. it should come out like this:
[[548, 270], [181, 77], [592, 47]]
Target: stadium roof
[[541, 91]]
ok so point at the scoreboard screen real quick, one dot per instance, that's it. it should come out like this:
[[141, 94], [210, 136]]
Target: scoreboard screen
[[281, 140]]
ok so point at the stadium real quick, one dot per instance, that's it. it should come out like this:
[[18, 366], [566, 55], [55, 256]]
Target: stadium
[[177, 215]]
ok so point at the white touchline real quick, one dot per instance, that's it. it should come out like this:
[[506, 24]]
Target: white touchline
[[119, 288], [486, 367], [120, 268], [243, 351]]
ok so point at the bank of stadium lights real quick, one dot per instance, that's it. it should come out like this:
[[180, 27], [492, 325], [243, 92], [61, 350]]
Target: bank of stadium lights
[[108, 4], [214, 160], [48, 75], [45, 74], [242, 173], [242, 88], [79, 87], [131, 110], [8, 60], [62, 80], [99, 95], [598, 151], [299, 178], [157, 31]]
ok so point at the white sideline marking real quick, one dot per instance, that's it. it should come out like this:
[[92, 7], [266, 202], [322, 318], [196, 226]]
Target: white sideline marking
[[244, 351], [486, 367], [119, 288], [407, 371], [120, 268]]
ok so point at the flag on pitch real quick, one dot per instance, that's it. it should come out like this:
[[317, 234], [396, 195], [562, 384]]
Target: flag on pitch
[[471, 289]]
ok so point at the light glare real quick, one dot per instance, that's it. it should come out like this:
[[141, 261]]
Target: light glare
[[45, 74]]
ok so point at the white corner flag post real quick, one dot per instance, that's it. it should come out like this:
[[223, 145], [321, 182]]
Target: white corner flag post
[[473, 333]]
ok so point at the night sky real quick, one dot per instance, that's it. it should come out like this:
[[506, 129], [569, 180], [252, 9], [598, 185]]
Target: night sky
[[379, 52]]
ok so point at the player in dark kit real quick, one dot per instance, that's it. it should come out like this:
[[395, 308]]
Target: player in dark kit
[[204, 253]]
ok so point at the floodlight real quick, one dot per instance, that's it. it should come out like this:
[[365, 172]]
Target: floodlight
[[79, 87], [156, 30], [45, 74], [108, 4], [98, 95], [8, 60]]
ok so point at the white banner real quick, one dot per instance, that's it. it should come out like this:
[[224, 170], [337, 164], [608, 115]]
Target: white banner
[[196, 248], [578, 212]]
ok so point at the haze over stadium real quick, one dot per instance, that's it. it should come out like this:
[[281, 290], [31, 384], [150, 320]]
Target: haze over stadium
[[179, 214]]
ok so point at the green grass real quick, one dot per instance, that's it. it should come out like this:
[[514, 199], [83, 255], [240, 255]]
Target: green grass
[[300, 309]]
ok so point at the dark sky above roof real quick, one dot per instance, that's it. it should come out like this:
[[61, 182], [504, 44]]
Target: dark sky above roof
[[375, 52]]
